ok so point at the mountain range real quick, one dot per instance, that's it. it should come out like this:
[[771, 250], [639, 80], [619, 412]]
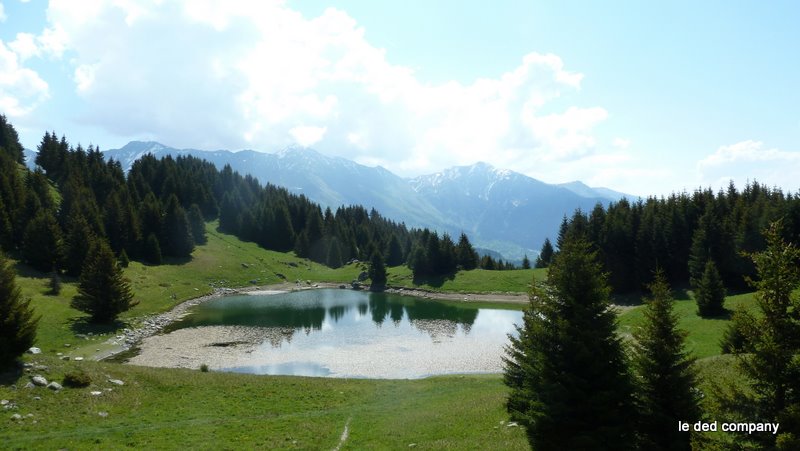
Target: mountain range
[[499, 209]]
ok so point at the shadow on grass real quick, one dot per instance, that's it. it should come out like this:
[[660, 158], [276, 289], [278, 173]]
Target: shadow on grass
[[434, 281], [10, 375], [83, 325]]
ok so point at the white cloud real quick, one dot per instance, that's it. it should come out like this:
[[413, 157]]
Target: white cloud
[[259, 75], [24, 46], [748, 161], [21, 89], [621, 143]]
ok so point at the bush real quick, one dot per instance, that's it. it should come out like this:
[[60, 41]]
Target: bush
[[77, 379], [204, 368]]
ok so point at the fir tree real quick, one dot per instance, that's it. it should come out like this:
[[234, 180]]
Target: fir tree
[[103, 292], [43, 242], [197, 224], [177, 233], [377, 272], [394, 252], [546, 255], [334, 257], [17, 323], [526, 263], [773, 340], [666, 389], [567, 371], [466, 257], [710, 292], [79, 235], [152, 250]]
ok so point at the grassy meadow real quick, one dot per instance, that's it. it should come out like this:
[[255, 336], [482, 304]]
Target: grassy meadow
[[171, 408]]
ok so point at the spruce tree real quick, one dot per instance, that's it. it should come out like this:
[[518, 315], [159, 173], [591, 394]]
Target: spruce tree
[[546, 255], [710, 292], [43, 242], [152, 250], [466, 257], [394, 252], [567, 370], [17, 323], [377, 272], [176, 231], [197, 224], [79, 235], [773, 341], [526, 263], [666, 390], [334, 257], [103, 292]]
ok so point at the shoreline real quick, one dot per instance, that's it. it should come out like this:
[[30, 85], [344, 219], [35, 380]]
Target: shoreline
[[154, 324]]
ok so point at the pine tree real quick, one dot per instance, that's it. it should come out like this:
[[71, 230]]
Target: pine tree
[[466, 257], [394, 252], [377, 272], [666, 389], [710, 292], [17, 323], [197, 224], [570, 386], [334, 257], [43, 244], [546, 255], [773, 340], [79, 235], [103, 292], [152, 250], [176, 231], [526, 263]]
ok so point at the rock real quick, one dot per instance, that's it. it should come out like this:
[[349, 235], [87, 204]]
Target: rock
[[363, 276], [29, 385], [16, 417], [3, 402], [34, 350], [30, 415], [343, 286], [78, 359], [512, 424], [66, 357], [67, 345], [37, 398], [116, 382], [55, 386], [96, 393], [103, 414], [39, 380]]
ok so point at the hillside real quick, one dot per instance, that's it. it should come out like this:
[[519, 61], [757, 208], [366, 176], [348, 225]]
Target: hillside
[[501, 210]]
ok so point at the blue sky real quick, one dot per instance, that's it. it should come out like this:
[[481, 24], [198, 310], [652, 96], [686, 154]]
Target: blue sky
[[641, 97]]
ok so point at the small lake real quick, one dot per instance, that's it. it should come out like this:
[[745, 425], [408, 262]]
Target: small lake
[[335, 333]]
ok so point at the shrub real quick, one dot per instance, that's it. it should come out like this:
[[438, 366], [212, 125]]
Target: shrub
[[77, 379]]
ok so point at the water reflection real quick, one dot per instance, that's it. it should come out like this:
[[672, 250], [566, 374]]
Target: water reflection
[[309, 310], [336, 333]]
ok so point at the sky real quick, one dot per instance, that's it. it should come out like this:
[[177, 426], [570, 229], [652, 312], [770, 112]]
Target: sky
[[646, 98]]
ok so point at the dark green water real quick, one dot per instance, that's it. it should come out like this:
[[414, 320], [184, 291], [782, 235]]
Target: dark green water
[[346, 333]]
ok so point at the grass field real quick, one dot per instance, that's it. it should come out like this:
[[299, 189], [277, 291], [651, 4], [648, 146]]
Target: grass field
[[168, 408], [185, 409]]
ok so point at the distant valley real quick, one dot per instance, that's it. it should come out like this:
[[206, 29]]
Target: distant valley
[[501, 210]]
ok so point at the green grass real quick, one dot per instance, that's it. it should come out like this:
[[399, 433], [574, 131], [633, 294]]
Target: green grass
[[704, 334], [185, 409], [475, 281]]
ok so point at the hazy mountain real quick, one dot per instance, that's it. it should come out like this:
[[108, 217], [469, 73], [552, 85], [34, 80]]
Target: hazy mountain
[[330, 181], [499, 209], [30, 158], [497, 206], [584, 190]]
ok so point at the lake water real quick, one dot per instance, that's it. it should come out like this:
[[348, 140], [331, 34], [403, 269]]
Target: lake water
[[336, 333]]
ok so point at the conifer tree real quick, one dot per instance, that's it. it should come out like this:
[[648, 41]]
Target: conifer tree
[[394, 252], [17, 323], [710, 292], [334, 257], [43, 242], [79, 235], [466, 257], [773, 340], [152, 250], [177, 233], [377, 272], [546, 255], [666, 390], [567, 371], [526, 263], [197, 224], [103, 292]]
